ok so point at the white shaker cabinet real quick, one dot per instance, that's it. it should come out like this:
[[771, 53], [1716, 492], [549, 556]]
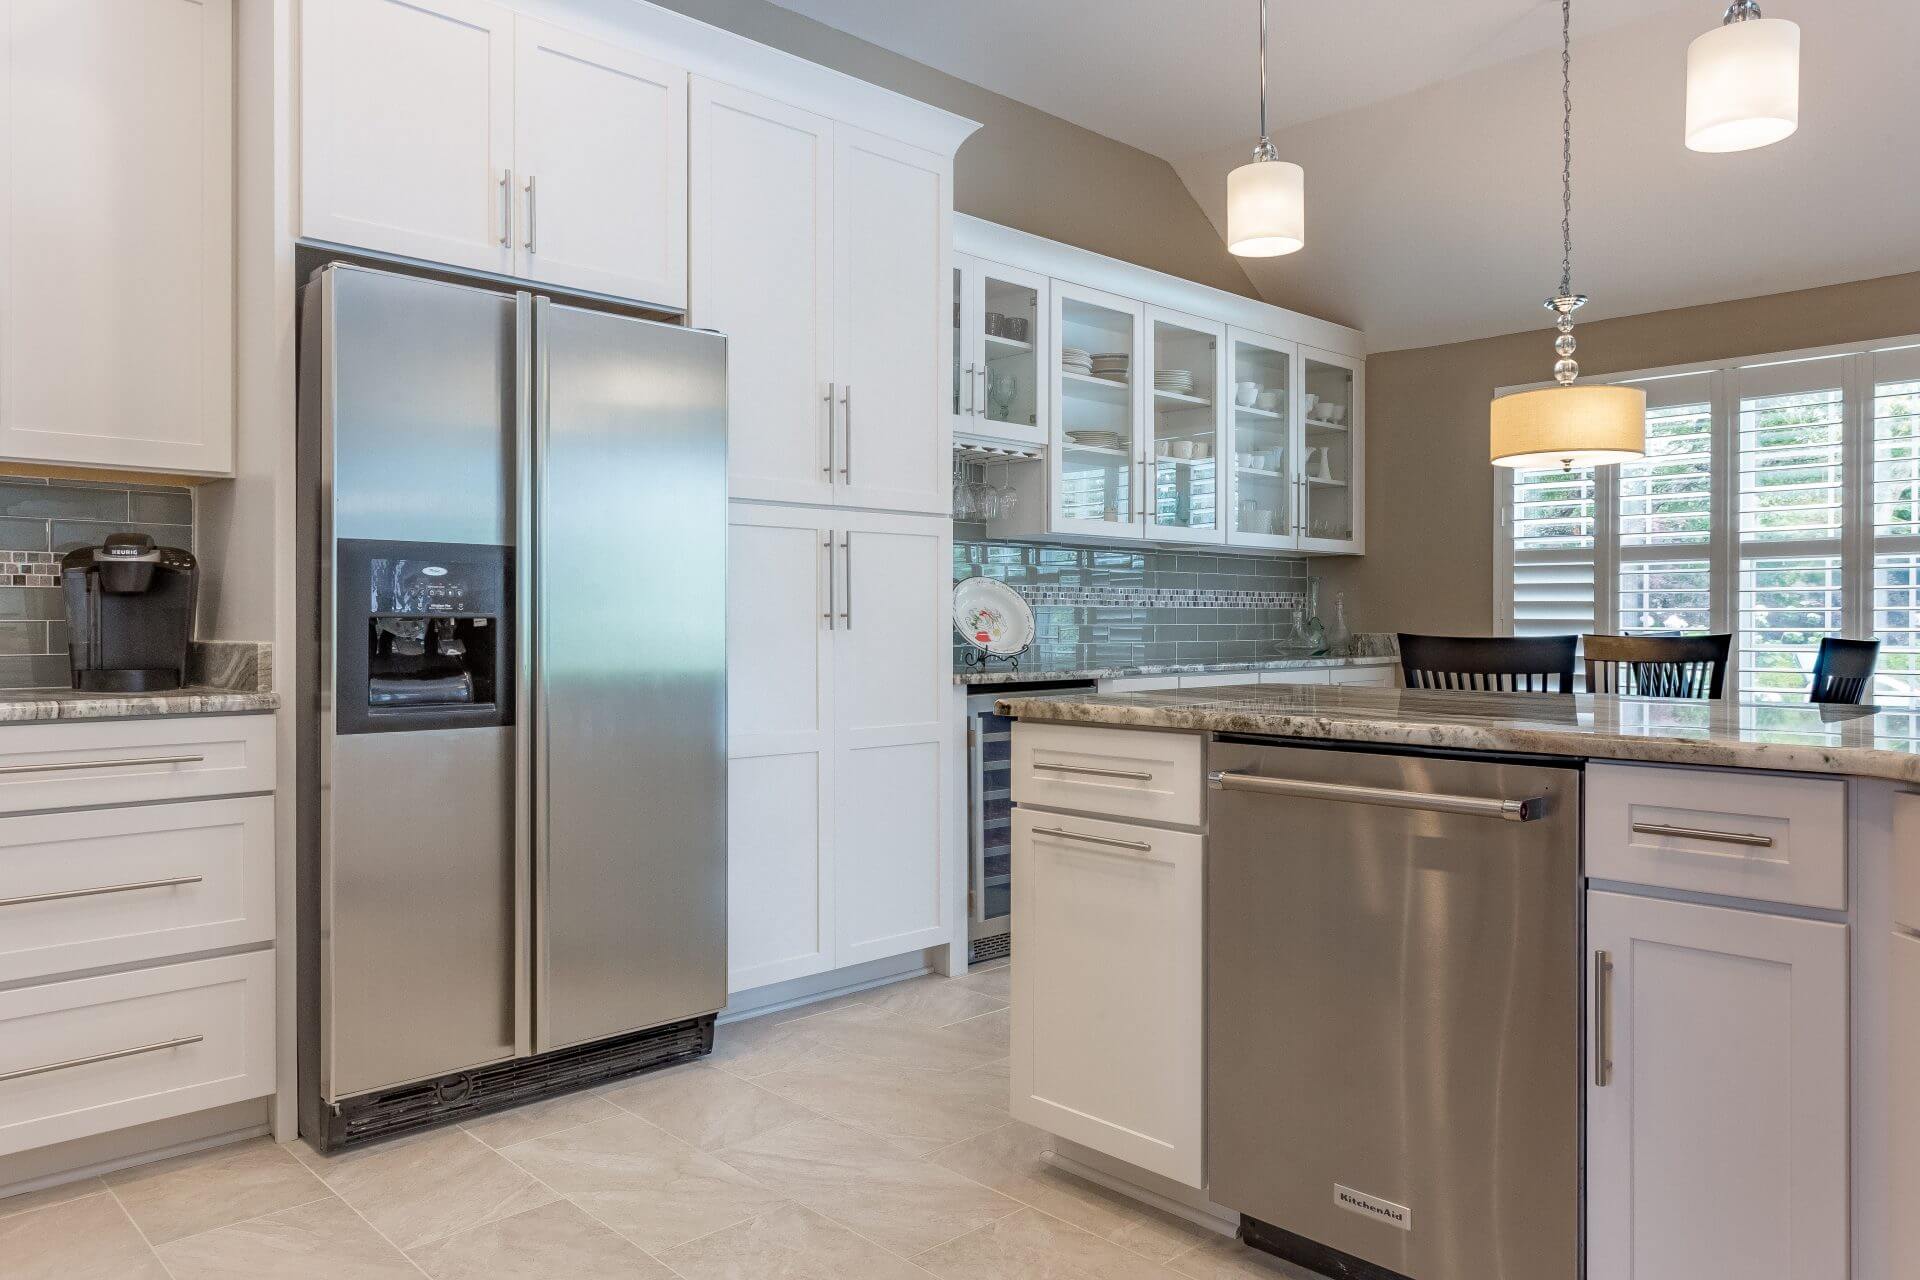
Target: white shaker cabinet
[[406, 128], [837, 681], [1904, 1148], [761, 243], [1717, 1139], [600, 157], [116, 244]]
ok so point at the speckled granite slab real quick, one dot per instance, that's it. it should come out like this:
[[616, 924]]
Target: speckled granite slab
[[1003, 675], [226, 678], [243, 665], [1854, 741]]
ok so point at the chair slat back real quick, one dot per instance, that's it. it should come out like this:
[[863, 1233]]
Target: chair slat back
[[1657, 666], [1488, 664], [1843, 671]]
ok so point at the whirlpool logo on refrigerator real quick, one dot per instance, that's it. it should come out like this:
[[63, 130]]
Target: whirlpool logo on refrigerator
[[1394, 1215]]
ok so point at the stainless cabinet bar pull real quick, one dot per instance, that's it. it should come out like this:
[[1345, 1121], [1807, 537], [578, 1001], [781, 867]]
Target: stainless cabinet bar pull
[[1602, 1019], [982, 410], [60, 895], [506, 208], [1701, 833], [532, 247], [68, 765], [832, 593], [846, 429], [832, 387], [1140, 846], [846, 549], [1132, 775], [968, 406], [1472, 806], [177, 1043]]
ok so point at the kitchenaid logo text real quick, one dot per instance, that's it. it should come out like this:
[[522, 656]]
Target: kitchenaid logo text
[[1394, 1215]]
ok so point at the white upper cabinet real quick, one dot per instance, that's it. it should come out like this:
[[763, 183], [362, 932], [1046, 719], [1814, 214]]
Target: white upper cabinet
[[1180, 382], [406, 128], [762, 273], [116, 238], [600, 156], [890, 203], [1329, 440], [1000, 325]]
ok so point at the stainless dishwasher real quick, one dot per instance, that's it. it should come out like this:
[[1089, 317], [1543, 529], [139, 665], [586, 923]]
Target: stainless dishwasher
[[1394, 1021]]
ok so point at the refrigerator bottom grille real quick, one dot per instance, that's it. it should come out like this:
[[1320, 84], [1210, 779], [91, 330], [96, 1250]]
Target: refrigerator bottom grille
[[465, 1094], [1301, 1251]]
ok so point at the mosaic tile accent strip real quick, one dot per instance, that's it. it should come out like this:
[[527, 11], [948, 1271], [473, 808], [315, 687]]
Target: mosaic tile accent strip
[[29, 569], [1163, 597]]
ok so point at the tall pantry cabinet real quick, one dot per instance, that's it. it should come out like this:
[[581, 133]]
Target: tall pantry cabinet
[[820, 248]]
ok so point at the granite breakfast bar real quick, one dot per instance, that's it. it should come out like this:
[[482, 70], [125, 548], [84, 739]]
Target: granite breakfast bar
[[1740, 936]]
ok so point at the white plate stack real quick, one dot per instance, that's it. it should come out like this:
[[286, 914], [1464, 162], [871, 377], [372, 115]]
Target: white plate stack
[[1111, 365], [1178, 381], [1074, 360], [1095, 439]]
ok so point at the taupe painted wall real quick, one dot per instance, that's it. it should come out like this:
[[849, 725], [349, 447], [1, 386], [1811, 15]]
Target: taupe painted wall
[[1429, 561], [1024, 168]]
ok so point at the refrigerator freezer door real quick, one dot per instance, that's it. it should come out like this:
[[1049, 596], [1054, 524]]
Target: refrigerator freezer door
[[630, 674]]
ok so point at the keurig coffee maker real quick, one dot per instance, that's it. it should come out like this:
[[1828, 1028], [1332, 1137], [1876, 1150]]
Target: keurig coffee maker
[[129, 614]]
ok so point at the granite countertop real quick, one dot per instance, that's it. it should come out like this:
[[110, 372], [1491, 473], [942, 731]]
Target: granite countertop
[[1796, 737], [1004, 675], [20, 705]]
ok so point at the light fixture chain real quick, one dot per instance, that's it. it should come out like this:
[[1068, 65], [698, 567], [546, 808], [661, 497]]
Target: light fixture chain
[[1566, 146]]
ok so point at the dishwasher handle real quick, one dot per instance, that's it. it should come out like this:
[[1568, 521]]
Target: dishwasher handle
[[1526, 810]]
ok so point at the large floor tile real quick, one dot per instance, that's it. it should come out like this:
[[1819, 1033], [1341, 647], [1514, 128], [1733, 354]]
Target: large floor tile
[[1011, 1160], [758, 1045], [1228, 1259], [193, 1193], [324, 1240], [861, 1181], [1032, 1246], [554, 1241], [644, 1183], [86, 1239], [421, 1188], [920, 1111], [995, 983], [27, 1201], [988, 1033], [704, 1105], [793, 1243], [868, 1032], [538, 1119], [933, 1001]]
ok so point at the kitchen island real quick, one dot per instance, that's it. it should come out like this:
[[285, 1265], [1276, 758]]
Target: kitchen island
[[1482, 952]]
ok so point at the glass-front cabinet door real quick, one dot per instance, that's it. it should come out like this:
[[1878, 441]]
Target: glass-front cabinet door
[[1263, 490], [1330, 452], [1181, 377], [1001, 326], [1098, 453]]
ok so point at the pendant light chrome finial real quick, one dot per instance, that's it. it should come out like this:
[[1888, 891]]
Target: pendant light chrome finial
[[1743, 81], [1266, 198], [1571, 426]]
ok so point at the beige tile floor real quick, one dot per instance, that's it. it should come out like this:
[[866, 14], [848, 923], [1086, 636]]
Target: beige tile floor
[[866, 1138]]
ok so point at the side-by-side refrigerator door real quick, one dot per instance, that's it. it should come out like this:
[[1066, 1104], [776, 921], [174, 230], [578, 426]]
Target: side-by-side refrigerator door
[[423, 932], [630, 674]]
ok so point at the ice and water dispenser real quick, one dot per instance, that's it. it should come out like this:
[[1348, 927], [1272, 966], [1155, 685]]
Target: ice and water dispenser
[[434, 646]]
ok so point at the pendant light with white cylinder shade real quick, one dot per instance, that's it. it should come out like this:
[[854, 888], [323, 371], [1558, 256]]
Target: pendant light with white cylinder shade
[[1267, 198], [1743, 81], [1587, 425]]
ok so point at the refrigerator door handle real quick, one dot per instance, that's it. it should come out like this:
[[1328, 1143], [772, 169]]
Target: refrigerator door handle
[[540, 421], [524, 674]]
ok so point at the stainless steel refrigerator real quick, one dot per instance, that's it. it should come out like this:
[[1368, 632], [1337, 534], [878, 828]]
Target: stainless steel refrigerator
[[512, 680]]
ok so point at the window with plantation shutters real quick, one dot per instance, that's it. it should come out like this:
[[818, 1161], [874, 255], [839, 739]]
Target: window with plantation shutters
[[1779, 499]]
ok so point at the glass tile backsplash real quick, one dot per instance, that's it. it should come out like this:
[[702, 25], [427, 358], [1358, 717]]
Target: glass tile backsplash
[[41, 520], [1099, 607]]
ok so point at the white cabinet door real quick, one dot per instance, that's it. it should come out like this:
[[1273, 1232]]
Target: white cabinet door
[[600, 153], [116, 243], [1098, 455], [1263, 490], [1185, 427], [891, 686], [780, 671], [1330, 452], [892, 315], [1109, 990], [1904, 1071], [406, 128], [1718, 1145], [761, 272]]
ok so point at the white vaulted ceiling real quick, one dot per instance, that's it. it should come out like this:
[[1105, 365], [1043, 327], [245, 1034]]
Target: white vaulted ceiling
[[1430, 135]]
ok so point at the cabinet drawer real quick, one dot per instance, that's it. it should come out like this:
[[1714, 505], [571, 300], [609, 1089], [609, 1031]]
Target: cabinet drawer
[[1219, 681], [1746, 835], [1378, 675], [1303, 675], [116, 886], [108, 762], [1123, 773], [1906, 860], [84, 1057], [1139, 684]]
